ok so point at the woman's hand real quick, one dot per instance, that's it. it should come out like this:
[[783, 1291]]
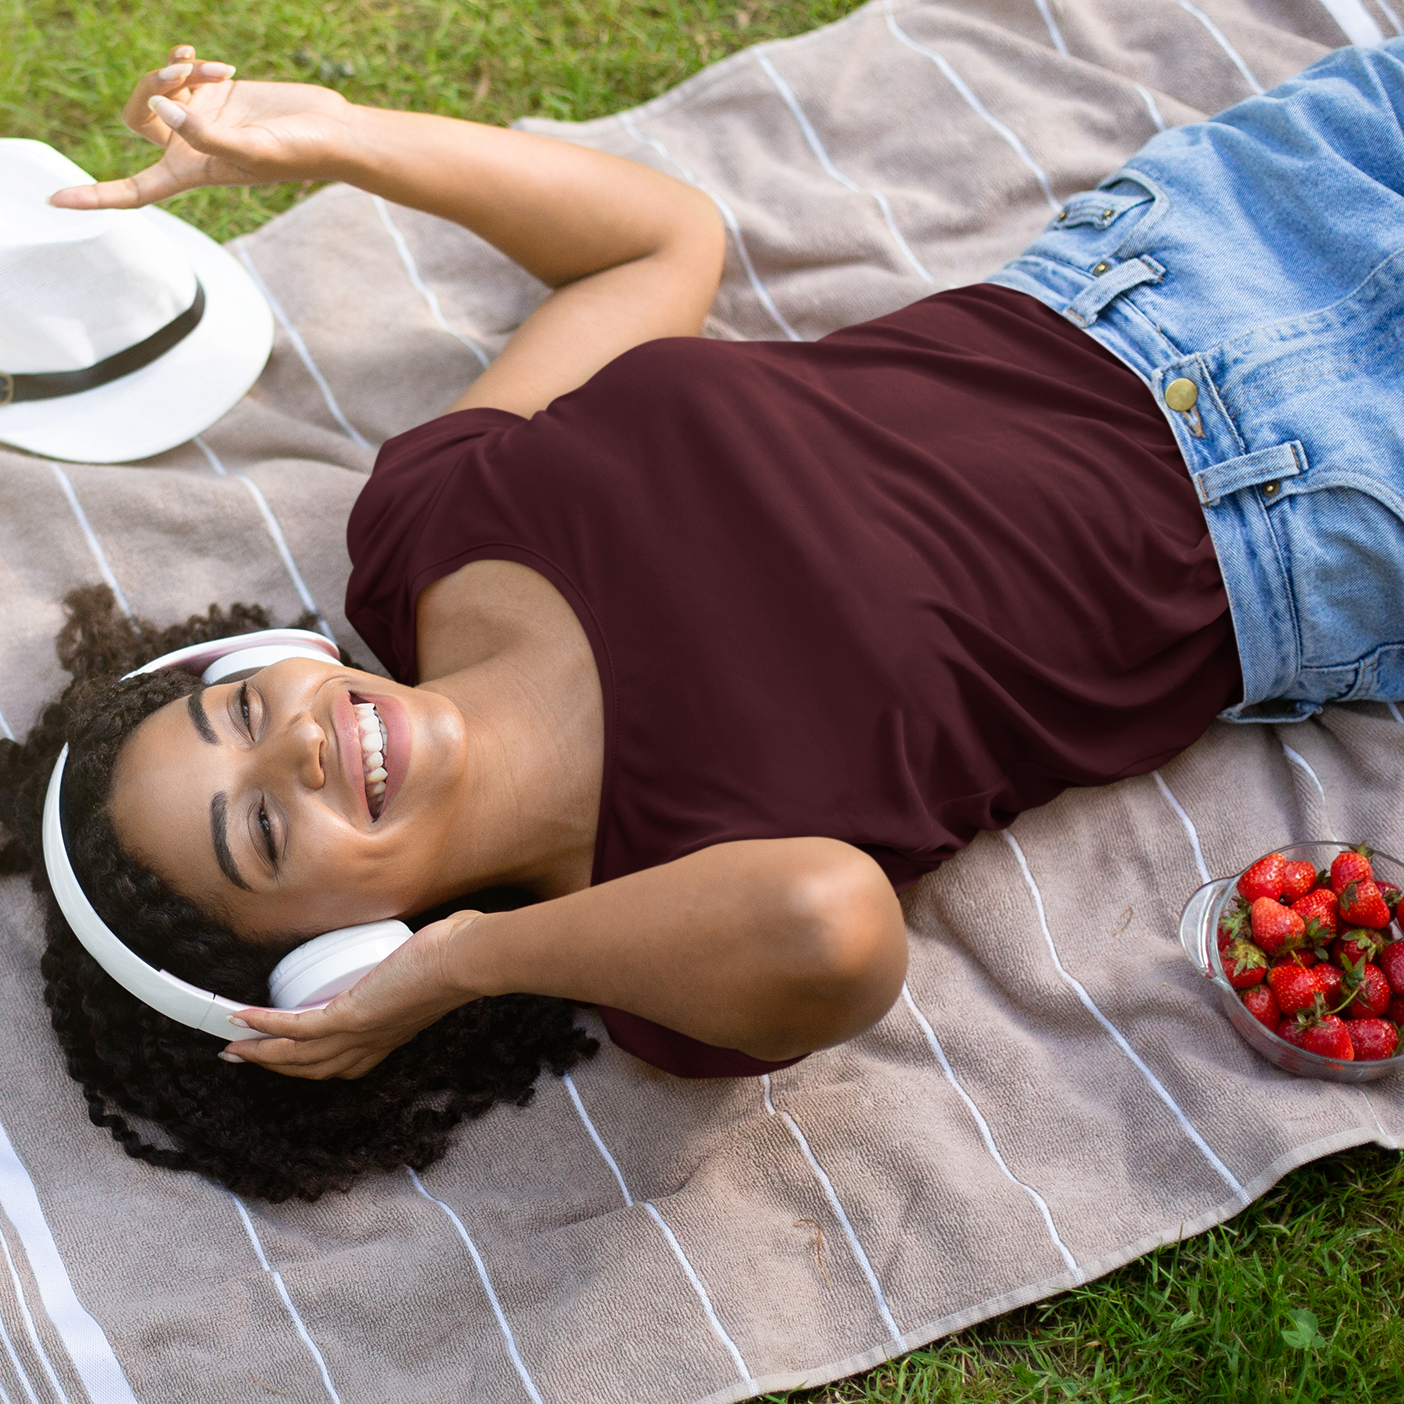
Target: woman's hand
[[404, 994], [218, 132]]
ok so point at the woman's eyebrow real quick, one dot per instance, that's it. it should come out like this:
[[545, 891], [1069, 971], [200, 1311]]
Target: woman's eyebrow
[[219, 830], [200, 717]]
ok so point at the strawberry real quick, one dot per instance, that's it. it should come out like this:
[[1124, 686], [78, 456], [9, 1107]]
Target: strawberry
[[1233, 924], [1264, 878], [1351, 866], [1395, 1012], [1260, 1003], [1373, 1038], [1355, 947], [1275, 928], [1297, 880], [1391, 895], [1331, 980], [1391, 961], [1294, 988], [1305, 958], [1292, 1031], [1330, 1038], [1362, 905], [1318, 906], [1244, 964], [1371, 990]]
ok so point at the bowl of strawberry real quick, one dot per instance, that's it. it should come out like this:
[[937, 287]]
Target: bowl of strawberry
[[1306, 948]]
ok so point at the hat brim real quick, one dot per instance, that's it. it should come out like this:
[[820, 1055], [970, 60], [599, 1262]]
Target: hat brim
[[179, 394]]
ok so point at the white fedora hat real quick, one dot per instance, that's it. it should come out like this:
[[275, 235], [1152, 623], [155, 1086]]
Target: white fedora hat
[[122, 332]]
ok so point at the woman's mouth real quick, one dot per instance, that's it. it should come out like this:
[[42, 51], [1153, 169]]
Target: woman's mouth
[[374, 742]]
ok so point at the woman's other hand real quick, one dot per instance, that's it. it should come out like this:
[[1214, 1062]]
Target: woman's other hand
[[404, 994], [217, 132]]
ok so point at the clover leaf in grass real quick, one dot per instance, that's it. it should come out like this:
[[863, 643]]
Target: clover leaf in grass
[[1303, 1334]]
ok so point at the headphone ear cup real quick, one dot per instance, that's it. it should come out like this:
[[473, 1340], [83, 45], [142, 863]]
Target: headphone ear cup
[[322, 968]]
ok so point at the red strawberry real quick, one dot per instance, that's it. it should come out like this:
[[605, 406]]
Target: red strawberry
[[1306, 959], [1318, 906], [1233, 924], [1295, 988], [1362, 905], [1391, 961], [1395, 1012], [1264, 878], [1260, 1003], [1330, 1038], [1391, 895], [1351, 866], [1293, 1032], [1275, 928], [1331, 979], [1355, 947], [1297, 880], [1244, 964], [1373, 1038], [1372, 993]]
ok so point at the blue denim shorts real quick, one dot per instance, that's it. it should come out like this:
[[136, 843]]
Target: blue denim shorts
[[1250, 269]]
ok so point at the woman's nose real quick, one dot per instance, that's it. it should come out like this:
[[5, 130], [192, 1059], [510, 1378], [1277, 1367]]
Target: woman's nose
[[300, 747]]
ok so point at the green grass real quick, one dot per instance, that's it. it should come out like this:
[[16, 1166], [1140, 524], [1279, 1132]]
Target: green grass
[[1211, 1319], [1203, 1321]]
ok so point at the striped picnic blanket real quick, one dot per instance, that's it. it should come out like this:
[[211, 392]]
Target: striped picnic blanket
[[1047, 1100]]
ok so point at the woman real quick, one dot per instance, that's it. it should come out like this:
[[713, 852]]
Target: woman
[[712, 648]]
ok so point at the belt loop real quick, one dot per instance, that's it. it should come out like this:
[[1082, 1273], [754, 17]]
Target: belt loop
[[1264, 469], [1110, 282]]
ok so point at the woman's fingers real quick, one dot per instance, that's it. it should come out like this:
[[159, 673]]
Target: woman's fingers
[[339, 1055], [154, 183], [176, 81], [297, 1024]]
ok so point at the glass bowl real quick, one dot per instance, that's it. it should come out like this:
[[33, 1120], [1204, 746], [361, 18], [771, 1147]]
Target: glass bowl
[[1199, 923]]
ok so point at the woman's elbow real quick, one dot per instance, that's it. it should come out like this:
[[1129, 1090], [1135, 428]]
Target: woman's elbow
[[848, 954]]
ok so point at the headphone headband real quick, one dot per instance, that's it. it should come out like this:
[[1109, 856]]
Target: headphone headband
[[187, 1004]]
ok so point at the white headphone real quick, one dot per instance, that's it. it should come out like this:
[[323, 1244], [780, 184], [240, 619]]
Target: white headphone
[[311, 974]]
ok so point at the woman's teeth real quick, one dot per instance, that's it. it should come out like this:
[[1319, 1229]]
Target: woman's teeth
[[373, 741]]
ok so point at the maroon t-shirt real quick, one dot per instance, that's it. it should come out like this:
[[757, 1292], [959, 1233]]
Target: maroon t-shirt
[[891, 587]]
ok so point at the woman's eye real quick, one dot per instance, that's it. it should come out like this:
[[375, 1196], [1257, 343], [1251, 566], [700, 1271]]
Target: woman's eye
[[244, 708], [267, 828]]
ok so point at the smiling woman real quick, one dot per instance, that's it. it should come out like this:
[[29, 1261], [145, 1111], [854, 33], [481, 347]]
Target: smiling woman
[[259, 1134]]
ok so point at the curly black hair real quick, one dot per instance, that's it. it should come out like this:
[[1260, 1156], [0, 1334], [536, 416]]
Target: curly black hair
[[256, 1132]]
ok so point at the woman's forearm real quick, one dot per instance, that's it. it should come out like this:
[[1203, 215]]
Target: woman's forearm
[[559, 210], [775, 947]]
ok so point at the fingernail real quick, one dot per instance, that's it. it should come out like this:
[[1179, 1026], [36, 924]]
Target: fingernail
[[183, 51], [229, 1057], [176, 70], [237, 1022], [217, 70], [171, 113]]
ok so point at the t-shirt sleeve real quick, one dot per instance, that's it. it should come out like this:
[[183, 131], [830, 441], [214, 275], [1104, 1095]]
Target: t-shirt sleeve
[[393, 557], [679, 1054]]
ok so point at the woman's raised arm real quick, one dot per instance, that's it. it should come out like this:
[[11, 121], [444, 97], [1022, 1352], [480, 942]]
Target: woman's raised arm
[[773, 946], [631, 254]]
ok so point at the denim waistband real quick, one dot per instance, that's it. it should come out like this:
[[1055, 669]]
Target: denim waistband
[[1254, 265]]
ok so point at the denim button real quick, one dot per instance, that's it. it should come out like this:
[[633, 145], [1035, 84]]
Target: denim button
[[1099, 268], [1270, 489], [1181, 394]]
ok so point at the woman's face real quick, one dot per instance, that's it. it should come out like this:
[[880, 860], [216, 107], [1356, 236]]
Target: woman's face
[[251, 798]]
